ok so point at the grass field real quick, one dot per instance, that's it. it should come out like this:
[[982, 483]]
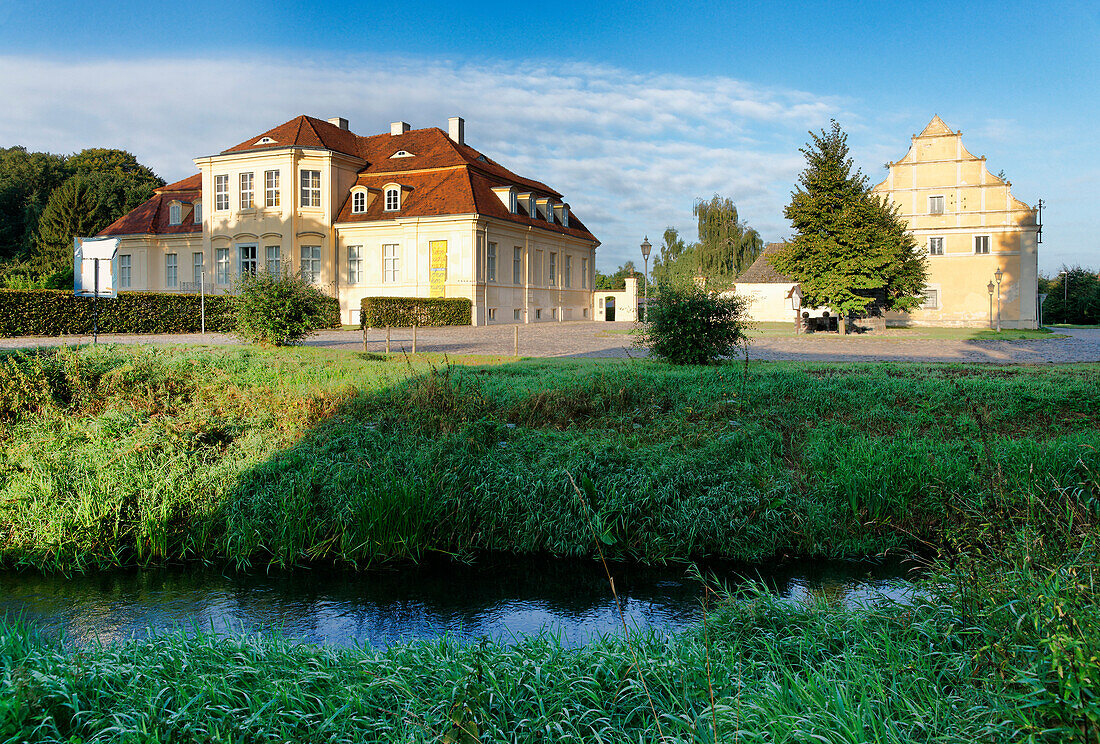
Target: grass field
[[774, 329], [231, 455]]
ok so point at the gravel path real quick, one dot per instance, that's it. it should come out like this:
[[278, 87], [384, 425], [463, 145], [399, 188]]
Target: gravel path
[[593, 339]]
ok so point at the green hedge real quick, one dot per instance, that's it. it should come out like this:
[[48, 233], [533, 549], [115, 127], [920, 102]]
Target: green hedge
[[403, 312], [48, 312]]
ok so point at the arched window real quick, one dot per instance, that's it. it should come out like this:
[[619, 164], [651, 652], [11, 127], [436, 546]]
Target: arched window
[[359, 202], [174, 213], [393, 199]]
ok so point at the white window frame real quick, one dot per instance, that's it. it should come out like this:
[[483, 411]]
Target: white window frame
[[221, 192], [311, 188], [355, 264], [517, 265], [391, 263], [198, 212], [273, 262], [248, 258], [358, 202], [272, 195], [553, 269], [175, 213], [198, 266], [931, 249], [942, 204], [248, 191], [513, 202], [567, 277], [221, 266], [310, 262], [584, 273], [393, 199], [934, 295], [491, 262], [988, 245], [125, 270], [171, 270]]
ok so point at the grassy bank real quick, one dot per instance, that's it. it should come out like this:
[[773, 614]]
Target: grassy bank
[[127, 455]]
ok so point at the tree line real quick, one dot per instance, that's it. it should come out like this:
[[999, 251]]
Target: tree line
[[46, 199]]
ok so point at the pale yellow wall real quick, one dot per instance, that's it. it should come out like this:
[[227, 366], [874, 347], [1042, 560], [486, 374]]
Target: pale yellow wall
[[768, 302], [626, 303], [976, 202]]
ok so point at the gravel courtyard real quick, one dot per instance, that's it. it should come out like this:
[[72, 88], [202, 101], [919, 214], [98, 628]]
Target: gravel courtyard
[[593, 339]]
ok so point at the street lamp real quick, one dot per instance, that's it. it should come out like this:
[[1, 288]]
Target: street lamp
[[997, 275], [990, 288], [1065, 287], [646, 247]]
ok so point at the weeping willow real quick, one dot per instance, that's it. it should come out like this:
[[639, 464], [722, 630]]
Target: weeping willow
[[727, 245]]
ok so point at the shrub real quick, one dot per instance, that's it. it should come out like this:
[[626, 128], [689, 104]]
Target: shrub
[[686, 325], [279, 309], [404, 312]]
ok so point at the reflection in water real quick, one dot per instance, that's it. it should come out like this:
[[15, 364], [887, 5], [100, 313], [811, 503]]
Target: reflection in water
[[499, 599]]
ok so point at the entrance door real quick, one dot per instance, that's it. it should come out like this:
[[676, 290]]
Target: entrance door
[[609, 309]]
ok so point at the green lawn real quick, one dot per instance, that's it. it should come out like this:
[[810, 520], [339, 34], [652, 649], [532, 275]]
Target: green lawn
[[774, 329]]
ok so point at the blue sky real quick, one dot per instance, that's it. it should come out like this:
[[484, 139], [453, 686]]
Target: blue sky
[[629, 109]]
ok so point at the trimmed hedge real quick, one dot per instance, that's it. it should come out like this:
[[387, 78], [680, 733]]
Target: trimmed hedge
[[403, 312], [49, 312]]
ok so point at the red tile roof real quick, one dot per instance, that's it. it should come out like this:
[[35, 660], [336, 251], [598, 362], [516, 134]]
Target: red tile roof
[[151, 217]]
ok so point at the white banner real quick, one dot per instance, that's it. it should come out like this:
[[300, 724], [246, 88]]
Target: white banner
[[95, 267]]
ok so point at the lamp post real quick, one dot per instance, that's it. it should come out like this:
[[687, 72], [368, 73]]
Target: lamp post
[[990, 288], [646, 247], [998, 274]]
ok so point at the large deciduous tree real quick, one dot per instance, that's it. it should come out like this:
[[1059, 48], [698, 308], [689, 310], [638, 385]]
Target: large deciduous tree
[[852, 251], [726, 247], [26, 181]]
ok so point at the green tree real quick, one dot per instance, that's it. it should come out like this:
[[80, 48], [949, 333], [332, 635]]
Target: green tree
[[73, 210], [120, 182], [26, 181], [1073, 296], [727, 245], [851, 252], [617, 282], [278, 309], [687, 325], [676, 261]]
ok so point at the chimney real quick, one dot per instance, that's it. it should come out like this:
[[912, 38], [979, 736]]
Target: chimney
[[339, 121], [456, 129], [399, 127]]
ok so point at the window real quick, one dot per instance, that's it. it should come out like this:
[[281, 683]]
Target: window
[[171, 270], [271, 260], [393, 199], [221, 266], [249, 260], [355, 264], [198, 213], [247, 191], [517, 265], [931, 299], [584, 313], [567, 277], [935, 205], [513, 202], [311, 263], [197, 268], [538, 313], [174, 213], [221, 193], [491, 262], [584, 273], [553, 269], [271, 188], [515, 314], [492, 313], [391, 263], [981, 244], [311, 188], [935, 246], [125, 265], [553, 313], [359, 202]]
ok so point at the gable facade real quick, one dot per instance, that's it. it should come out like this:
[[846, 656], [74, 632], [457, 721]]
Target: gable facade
[[970, 225], [412, 213]]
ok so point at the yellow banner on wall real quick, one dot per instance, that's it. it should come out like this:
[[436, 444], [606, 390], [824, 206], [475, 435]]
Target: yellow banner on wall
[[437, 271]]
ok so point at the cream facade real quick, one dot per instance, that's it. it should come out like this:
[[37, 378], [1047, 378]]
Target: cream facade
[[970, 225], [415, 213]]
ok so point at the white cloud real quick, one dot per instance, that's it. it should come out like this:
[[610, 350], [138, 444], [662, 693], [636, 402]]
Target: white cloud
[[629, 151]]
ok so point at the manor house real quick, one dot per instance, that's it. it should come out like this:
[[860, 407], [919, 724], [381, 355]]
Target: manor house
[[411, 213], [969, 224]]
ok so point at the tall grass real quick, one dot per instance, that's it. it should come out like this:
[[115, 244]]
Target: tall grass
[[124, 456]]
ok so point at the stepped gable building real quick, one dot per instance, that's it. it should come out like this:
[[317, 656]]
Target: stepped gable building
[[970, 225], [411, 213]]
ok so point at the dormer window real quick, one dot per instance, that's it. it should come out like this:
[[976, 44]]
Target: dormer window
[[359, 202], [198, 213], [513, 202], [265, 141], [393, 198], [402, 154], [175, 211]]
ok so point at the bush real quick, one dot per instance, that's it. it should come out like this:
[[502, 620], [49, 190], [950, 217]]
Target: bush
[[404, 312], [280, 310], [686, 325]]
